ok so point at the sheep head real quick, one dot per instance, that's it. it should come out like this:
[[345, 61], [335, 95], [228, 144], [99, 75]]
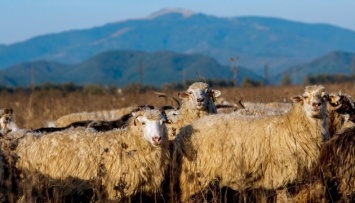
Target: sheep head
[[6, 123], [313, 100], [199, 96], [341, 103], [152, 123]]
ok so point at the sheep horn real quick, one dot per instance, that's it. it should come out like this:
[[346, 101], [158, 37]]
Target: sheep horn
[[334, 106], [160, 94], [334, 101]]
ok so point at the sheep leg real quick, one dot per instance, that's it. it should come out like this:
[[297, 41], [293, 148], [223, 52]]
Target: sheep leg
[[281, 196]]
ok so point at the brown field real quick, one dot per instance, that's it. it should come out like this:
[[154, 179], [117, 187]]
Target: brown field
[[33, 110]]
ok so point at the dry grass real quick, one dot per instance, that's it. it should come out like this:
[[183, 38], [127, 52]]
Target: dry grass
[[33, 110]]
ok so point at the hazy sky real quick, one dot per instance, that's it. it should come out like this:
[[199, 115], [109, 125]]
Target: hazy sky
[[23, 19]]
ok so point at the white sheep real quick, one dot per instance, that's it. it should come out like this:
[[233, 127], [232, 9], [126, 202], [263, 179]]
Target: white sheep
[[264, 109], [123, 161], [95, 115], [250, 152], [197, 101]]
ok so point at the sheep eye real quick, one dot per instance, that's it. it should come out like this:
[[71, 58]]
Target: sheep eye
[[167, 121], [7, 120], [143, 123]]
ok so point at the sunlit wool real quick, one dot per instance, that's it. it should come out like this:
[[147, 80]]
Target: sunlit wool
[[114, 157], [249, 152]]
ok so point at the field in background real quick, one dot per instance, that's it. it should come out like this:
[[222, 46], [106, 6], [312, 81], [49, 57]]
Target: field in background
[[33, 110]]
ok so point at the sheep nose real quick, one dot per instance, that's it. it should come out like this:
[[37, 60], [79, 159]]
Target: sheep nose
[[200, 99], [316, 104], [156, 140]]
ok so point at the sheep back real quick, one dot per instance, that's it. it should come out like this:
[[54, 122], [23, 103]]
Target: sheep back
[[97, 115]]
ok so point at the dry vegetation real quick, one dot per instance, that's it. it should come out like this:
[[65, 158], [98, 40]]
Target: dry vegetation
[[33, 110]]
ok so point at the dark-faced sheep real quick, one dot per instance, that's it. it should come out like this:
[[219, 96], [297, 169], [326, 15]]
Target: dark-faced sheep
[[247, 152], [97, 125], [94, 116], [124, 161]]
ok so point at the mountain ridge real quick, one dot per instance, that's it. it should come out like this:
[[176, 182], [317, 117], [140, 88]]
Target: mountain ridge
[[256, 41], [121, 67]]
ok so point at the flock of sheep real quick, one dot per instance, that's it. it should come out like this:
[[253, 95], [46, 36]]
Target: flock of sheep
[[302, 152]]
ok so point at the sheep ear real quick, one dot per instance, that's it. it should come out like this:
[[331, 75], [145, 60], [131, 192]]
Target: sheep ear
[[297, 99], [216, 93], [8, 111], [183, 95], [137, 117]]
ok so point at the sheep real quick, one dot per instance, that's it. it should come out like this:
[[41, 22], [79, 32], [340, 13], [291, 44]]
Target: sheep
[[172, 111], [337, 165], [99, 125], [265, 109], [6, 122], [342, 117], [96, 115], [250, 152], [224, 106], [124, 161], [197, 101], [334, 174]]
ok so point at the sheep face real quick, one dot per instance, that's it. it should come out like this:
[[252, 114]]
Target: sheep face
[[6, 123], [153, 126], [199, 95], [314, 101]]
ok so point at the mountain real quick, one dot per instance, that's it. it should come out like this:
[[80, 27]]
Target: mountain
[[39, 71], [333, 63], [254, 40], [120, 68]]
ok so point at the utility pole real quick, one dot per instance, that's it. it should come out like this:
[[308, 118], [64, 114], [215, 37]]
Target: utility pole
[[140, 71], [234, 69], [266, 74], [352, 66], [32, 85], [183, 73]]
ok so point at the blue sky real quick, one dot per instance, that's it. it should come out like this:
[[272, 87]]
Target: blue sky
[[23, 19]]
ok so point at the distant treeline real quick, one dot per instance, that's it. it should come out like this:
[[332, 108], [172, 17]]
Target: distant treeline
[[136, 87], [133, 87], [328, 79]]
